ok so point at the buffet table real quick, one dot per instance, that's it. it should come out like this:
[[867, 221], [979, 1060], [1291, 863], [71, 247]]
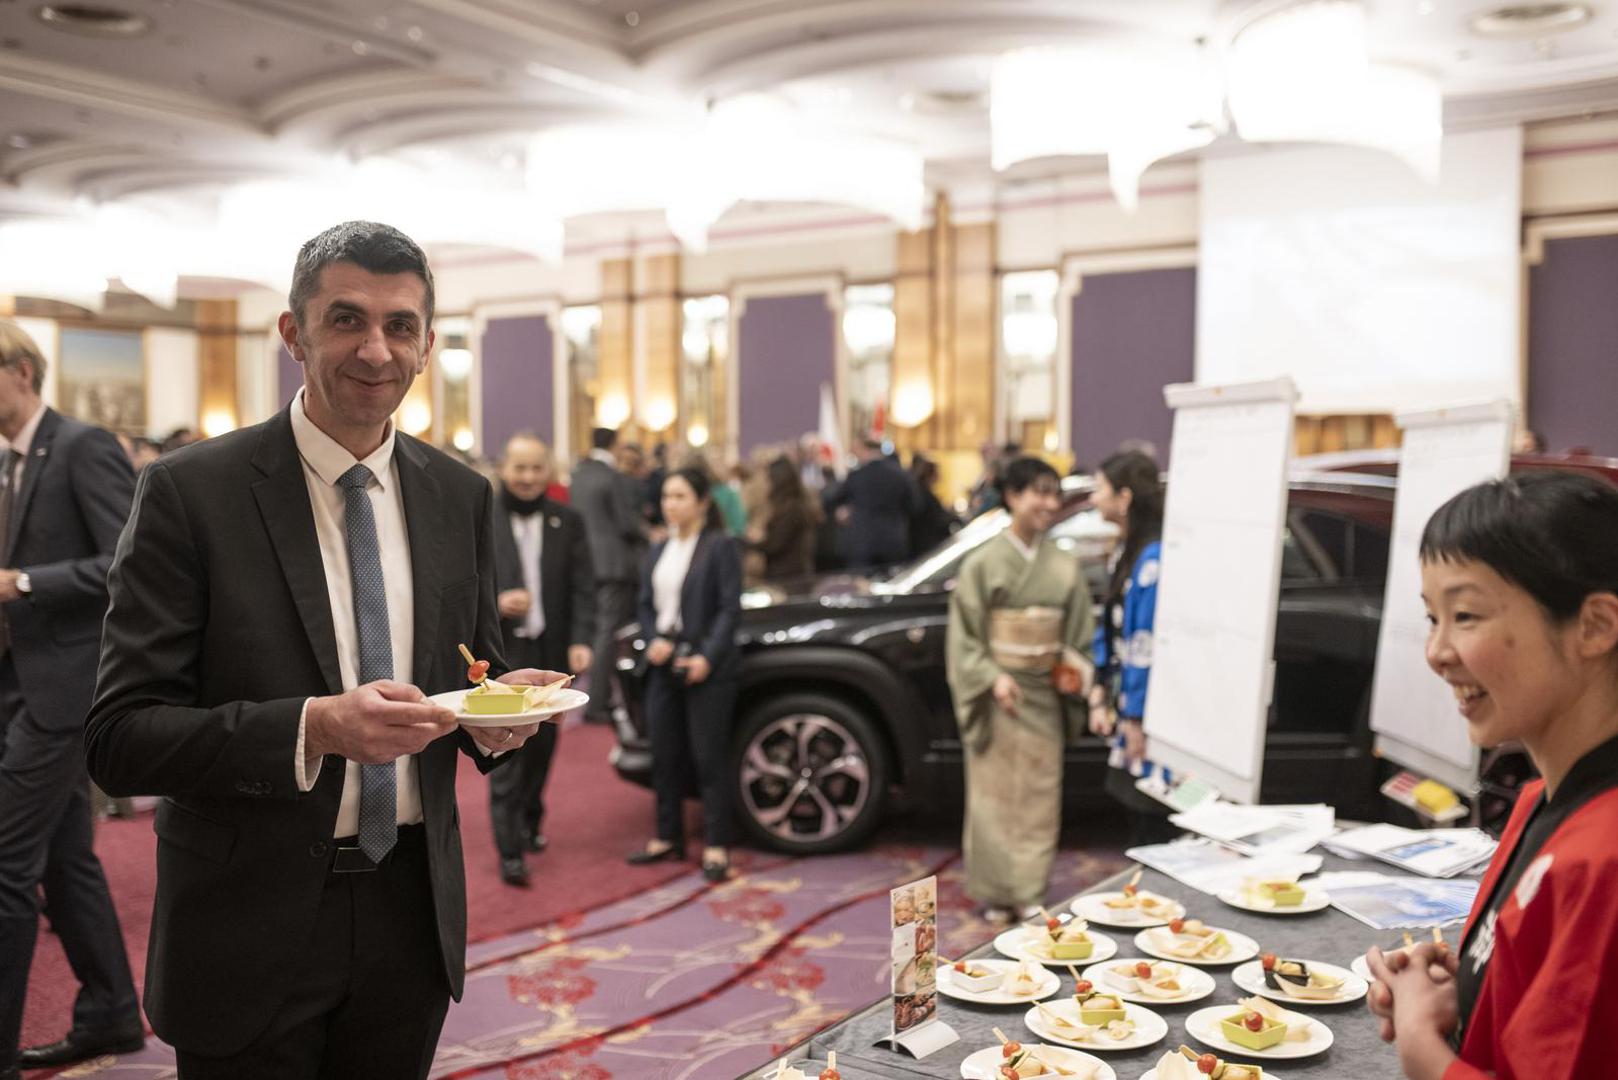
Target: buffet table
[[1357, 1053]]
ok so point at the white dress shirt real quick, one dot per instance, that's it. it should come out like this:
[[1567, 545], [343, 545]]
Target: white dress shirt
[[529, 532], [23, 443], [668, 578], [324, 461]]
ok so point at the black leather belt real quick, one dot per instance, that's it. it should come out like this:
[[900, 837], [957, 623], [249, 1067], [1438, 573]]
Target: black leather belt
[[349, 858]]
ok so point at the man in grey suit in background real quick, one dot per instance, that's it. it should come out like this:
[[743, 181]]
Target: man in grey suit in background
[[609, 502], [65, 489]]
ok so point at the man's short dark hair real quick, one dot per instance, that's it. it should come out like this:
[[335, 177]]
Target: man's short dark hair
[[1024, 472], [373, 247], [602, 438]]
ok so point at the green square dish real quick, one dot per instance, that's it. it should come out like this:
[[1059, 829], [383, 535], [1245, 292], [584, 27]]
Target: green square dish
[[1265, 1037]]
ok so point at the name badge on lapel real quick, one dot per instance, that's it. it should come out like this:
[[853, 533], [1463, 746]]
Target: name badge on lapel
[[555, 523]]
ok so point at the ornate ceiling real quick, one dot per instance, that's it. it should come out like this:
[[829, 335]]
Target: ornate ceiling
[[215, 91]]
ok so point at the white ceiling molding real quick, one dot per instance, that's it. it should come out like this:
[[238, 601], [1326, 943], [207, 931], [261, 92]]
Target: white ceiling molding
[[411, 131], [322, 23], [352, 95], [563, 27], [80, 86], [57, 164]]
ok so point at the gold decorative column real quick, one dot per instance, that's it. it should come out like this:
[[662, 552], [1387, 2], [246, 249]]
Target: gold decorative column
[[660, 319], [216, 366], [615, 364], [970, 416], [913, 349], [944, 306]]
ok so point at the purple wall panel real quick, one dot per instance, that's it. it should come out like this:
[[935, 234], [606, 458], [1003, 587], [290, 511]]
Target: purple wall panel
[[1573, 344], [785, 350], [288, 376], [1133, 334], [517, 380]]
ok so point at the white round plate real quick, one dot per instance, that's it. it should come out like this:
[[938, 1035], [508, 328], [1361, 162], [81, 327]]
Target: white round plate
[[1015, 944], [1313, 900], [1242, 948], [1149, 1027], [1048, 985], [1198, 983], [985, 1064], [1093, 908], [564, 700], [1250, 977], [1151, 1074], [1203, 1025], [1359, 967]]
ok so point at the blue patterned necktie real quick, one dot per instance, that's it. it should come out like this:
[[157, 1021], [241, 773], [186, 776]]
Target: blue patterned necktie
[[379, 828]]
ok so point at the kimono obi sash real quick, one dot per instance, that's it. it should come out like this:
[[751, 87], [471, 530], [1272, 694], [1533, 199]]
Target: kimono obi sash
[[1026, 639]]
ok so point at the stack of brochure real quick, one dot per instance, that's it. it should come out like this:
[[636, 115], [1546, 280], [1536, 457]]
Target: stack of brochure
[[1438, 853], [1400, 903], [1260, 830], [1213, 869]]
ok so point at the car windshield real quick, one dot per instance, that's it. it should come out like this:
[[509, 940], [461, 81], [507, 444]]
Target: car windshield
[[1079, 529]]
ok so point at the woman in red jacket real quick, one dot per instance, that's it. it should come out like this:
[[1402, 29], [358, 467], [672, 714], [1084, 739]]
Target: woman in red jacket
[[1520, 578]]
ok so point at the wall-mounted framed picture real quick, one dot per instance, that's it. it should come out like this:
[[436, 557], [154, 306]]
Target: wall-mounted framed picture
[[101, 378]]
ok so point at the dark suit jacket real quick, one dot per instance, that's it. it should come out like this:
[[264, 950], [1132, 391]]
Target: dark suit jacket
[[74, 499], [566, 579], [609, 502], [710, 600], [881, 496], [219, 629]]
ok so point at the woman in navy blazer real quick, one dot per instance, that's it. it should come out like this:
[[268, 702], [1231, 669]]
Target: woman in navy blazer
[[690, 601]]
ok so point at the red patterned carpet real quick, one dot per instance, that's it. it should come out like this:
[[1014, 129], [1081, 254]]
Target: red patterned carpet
[[598, 973]]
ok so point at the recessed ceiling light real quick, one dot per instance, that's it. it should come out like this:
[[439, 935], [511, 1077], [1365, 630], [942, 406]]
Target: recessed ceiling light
[[93, 20], [19, 141], [1530, 20]]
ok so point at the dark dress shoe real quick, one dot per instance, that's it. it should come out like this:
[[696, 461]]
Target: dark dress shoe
[[537, 843], [716, 871], [81, 1044], [514, 872], [668, 854]]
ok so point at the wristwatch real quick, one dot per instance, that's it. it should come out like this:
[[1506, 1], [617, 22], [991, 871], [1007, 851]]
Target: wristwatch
[[25, 584]]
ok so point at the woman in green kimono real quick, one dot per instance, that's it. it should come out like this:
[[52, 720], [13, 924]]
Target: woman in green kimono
[[1020, 631]]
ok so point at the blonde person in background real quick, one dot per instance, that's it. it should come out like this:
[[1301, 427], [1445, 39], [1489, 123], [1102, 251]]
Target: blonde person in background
[[1020, 631]]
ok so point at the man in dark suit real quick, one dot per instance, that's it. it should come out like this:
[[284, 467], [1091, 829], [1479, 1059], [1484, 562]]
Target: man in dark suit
[[64, 494], [547, 616], [282, 600], [609, 502], [875, 504]]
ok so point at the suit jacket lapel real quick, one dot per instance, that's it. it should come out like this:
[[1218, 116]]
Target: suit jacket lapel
[[693, 576], [421, 502], [552, 565], [38, 454], [283, 500]]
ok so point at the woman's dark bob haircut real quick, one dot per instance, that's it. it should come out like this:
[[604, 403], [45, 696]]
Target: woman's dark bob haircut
[[1552, 533]]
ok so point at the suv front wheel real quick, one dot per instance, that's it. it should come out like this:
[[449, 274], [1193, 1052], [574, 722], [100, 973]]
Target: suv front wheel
[[811, 774]]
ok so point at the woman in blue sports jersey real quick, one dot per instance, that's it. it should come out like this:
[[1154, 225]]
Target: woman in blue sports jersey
[[1129, 493]]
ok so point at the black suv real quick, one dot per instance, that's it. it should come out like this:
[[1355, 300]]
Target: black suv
[[844, 707]]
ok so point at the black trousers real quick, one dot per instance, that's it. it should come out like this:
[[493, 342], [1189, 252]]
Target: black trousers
[[615, 606], [370, 999], [517, 787], [46, 841], [690, 730]]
